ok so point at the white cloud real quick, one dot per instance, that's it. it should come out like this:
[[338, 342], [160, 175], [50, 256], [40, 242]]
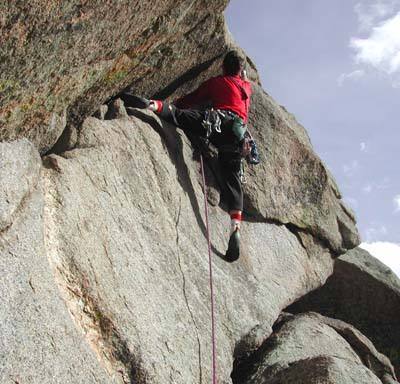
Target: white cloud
[[376, 51], [388, 253], [370, 12], [363, 147], [396, 201], [381, 50], [355, 75]]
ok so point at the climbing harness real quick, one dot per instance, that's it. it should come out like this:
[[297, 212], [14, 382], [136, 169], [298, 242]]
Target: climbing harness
[[213, 119], [213, 342]]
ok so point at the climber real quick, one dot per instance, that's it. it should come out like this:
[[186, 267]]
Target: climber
[[222, 102]]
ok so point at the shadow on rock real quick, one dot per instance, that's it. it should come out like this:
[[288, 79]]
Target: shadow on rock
[[171, 139]]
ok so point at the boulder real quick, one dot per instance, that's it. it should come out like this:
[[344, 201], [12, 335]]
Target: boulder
[[365, 293], [310, 348]]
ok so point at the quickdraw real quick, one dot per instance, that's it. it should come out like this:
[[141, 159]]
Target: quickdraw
[[212, 122]]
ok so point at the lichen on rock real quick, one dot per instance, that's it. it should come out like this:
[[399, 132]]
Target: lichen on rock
[[75, 55]]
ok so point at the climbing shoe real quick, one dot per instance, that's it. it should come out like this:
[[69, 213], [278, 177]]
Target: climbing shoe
[[134, 101], [233, 252]]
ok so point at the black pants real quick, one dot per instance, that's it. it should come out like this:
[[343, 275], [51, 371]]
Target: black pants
[[190, 121]]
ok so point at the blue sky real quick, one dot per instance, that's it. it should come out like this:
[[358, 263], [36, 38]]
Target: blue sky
[[336, 66]]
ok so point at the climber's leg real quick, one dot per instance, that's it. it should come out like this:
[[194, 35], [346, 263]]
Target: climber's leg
[[233, 193], [133, 101], [189, 120]]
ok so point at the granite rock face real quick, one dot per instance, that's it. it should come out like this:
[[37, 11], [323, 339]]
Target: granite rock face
[[60, 63], [310, 348], [102, 241], [113, 233], [364, 292], [38, 343], [19, 175], [127, 222]]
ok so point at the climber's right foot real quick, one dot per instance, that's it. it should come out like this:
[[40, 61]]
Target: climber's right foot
[[233, 252]]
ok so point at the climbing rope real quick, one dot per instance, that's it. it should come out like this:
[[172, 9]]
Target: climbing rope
[[214, 364]]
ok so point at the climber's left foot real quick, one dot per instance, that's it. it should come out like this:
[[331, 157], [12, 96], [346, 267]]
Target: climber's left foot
[[135, 101]]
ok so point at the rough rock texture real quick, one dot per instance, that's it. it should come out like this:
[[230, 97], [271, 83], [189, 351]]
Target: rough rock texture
[[55, 68], [103, 244], [310, 348], [365, 293], [322, 369], [19, 174], [123, 228], [39, 342], [125, 219], [59, 61], [301, 192]]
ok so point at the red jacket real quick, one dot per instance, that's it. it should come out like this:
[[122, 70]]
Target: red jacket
[[222, 92]]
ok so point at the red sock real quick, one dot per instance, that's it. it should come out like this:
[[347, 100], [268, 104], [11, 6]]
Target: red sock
[[236, 218], [156, 106]]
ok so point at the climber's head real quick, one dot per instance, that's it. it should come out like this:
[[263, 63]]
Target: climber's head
[[233, 63]]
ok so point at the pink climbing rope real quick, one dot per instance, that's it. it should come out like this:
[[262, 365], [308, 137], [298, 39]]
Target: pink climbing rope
[[214, 363]]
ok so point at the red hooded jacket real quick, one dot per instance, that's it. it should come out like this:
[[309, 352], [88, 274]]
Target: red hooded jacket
[[222, 92]]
